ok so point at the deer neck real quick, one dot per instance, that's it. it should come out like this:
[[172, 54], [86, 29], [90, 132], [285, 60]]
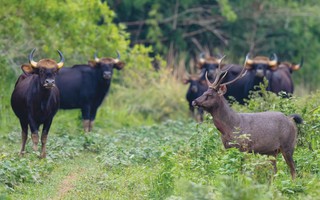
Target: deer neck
[[226, 120]]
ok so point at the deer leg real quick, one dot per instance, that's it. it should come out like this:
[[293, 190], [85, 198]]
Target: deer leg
[[274, 162], [24, 136], [289, 160]]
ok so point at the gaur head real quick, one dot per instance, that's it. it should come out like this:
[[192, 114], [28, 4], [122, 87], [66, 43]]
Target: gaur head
[[194, 83], [211, 99], [208, 65], [105, 65], [46, 69], [261, 65]]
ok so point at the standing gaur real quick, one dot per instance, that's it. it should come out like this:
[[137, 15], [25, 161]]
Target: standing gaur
[[281, 80], [258, 68], [266, 133], [208, 64], [197, 87], [85, 86], [35, 99]]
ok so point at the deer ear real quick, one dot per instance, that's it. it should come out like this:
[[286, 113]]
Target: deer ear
[[27, 69], [222, 90]]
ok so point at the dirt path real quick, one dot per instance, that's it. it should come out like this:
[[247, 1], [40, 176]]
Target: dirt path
[[67, 184]]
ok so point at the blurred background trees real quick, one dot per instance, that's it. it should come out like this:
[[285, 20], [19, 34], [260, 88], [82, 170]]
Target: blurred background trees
[[181, 29]]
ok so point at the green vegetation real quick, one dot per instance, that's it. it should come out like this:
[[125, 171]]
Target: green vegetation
[[143, 146]]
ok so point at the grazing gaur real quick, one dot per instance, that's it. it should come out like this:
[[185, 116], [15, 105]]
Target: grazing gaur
[[266, 133], [85, 86], [197, 87], [35, 99], [281, 80]]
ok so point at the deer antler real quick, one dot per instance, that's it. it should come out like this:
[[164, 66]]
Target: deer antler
[[219, 72], [241, 74], [218, 78]]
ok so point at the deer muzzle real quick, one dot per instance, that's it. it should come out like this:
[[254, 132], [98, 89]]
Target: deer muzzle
[[195, 103]]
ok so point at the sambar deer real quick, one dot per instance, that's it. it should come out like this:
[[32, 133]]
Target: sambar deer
[[267, 133]]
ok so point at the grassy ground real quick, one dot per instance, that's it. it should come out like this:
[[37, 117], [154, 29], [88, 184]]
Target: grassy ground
[[172, 160]]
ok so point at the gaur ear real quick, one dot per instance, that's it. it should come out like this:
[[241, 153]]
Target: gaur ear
[[92, 63], [186, 81], [119, 65], [27, 69], [222, 90], [200, 65]]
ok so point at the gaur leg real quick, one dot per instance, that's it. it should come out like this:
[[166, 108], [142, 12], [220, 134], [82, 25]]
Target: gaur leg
[[86, 117], [91, 125], [92, 117], [86, 125], [288, 156], [24, 136], [44, 136], [35, 140], [200, 115], [34, 127], [191, 109]]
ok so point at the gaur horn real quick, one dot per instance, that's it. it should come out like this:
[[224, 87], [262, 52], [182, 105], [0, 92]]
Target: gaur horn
[[31, 61], [118, 57], [202, 59], [96, 57], [298, 66], [61, 62], [221, 58], [274, 61], [248, 62]]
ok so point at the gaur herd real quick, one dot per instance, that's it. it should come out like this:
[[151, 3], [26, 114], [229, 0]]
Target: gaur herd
[[45, 86], [278, 75]]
